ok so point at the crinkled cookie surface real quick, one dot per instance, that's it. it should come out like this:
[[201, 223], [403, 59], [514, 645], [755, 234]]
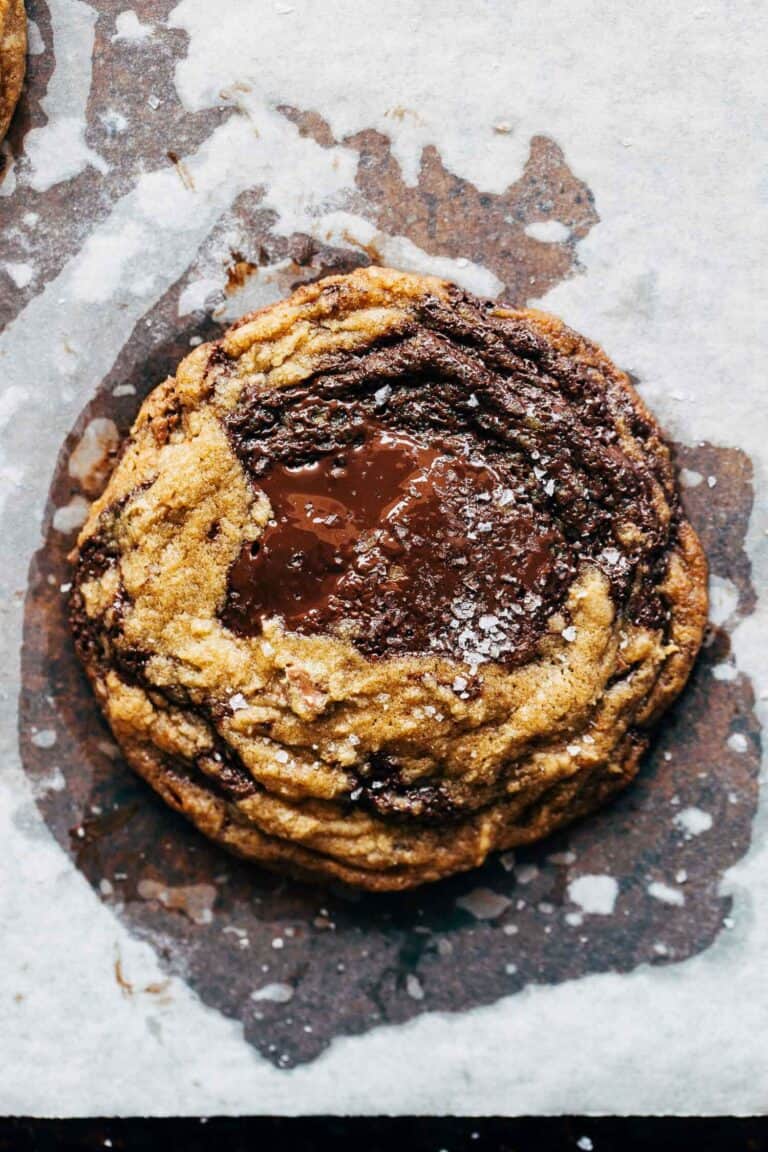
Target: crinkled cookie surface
[[386, 579], [13, 49]]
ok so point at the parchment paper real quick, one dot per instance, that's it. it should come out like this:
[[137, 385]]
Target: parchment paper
[[171, 167]]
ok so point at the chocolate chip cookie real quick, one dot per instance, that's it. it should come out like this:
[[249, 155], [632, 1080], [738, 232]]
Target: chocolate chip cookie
[[386, 579], [13, 49]]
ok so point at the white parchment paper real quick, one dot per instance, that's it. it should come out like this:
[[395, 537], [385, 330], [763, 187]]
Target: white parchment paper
[[661, 109]]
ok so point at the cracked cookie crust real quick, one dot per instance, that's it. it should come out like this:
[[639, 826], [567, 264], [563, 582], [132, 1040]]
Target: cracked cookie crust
[[13, 49], [388, 578]]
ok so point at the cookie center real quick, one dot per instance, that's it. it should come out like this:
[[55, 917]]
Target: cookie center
[[399, 545]]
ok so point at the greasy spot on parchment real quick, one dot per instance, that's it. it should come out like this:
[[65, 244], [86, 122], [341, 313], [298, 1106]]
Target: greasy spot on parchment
[[355, 961], [446, 215], [721, 513]]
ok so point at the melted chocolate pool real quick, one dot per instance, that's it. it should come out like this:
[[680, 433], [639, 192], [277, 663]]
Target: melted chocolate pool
[[438, 491], [398, 544]]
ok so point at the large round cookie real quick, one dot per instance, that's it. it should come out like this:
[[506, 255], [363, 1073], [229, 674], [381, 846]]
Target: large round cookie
[[386, 579], [13, 48]]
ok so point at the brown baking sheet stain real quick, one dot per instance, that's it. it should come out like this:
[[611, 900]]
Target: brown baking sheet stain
[[129, 134], [300, 965], [446, 215]]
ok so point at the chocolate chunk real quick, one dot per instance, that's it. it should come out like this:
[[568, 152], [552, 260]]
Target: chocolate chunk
[[438, 493], [401, 546]]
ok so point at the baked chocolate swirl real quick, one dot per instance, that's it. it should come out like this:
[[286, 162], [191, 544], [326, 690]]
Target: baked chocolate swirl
[[438, 492]]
